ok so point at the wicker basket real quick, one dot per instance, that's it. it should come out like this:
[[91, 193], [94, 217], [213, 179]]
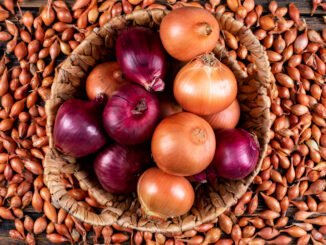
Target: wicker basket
[[211, 200]]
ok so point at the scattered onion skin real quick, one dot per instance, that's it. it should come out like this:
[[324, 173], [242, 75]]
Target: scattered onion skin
[[188, 32], [236, 153], [162, 195], [228, 118], [205, 86], [105, 78], [178, 144]]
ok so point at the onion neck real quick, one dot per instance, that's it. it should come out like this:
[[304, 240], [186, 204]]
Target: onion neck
[[156, 85], [198, 136], [209, 59], [204, 29], [140, 108]]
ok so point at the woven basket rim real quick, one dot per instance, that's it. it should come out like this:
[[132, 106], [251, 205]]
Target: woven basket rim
[[67, 79]]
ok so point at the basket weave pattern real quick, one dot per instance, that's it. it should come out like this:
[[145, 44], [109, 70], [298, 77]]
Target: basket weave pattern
[[211, 200]]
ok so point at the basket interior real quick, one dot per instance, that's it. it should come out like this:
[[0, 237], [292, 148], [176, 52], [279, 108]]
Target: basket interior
[[211, 199]]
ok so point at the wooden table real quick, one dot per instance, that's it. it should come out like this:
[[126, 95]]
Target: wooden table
[[304, 6]]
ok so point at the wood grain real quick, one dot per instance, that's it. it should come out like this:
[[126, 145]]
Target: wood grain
[[304, 6]]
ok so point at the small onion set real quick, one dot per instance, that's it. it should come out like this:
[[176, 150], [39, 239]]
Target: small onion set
[[145, 140]]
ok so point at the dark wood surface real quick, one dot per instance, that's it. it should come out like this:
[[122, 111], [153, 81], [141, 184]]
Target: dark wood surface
[[315, 22]]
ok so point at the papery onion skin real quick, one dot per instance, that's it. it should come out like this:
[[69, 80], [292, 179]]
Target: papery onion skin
[[228, 118], [78, 130], [130, 116], [188, 32], [183, 144], [205, 86], [162, 195], [105, 78], [119, 167], [141, 57], [236, 153]]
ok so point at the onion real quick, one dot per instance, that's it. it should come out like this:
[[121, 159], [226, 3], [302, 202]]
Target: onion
[[183, 144], [78, 130], [118, 167], [201, 177], [228, 118], [236, 153], [162, 195], [209, 174], [105, 78], [205, 86], [188, 32], [141, 57], [131, 115], [48, 14], [27, 20]]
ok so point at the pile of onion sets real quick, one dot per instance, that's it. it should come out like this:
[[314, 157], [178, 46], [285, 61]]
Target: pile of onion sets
[[154, 135]]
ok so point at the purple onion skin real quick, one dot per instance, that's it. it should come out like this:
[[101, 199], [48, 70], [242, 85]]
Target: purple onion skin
[[141, 56], [236, 153], [207, 175], [131, 114], [118, 167], [78, 130]]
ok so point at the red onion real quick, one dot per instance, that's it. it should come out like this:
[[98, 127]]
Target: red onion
[[141, 57], [131, 115], [236, 153], [200, 177], [118, 167], [78, 130], [207, 175]]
